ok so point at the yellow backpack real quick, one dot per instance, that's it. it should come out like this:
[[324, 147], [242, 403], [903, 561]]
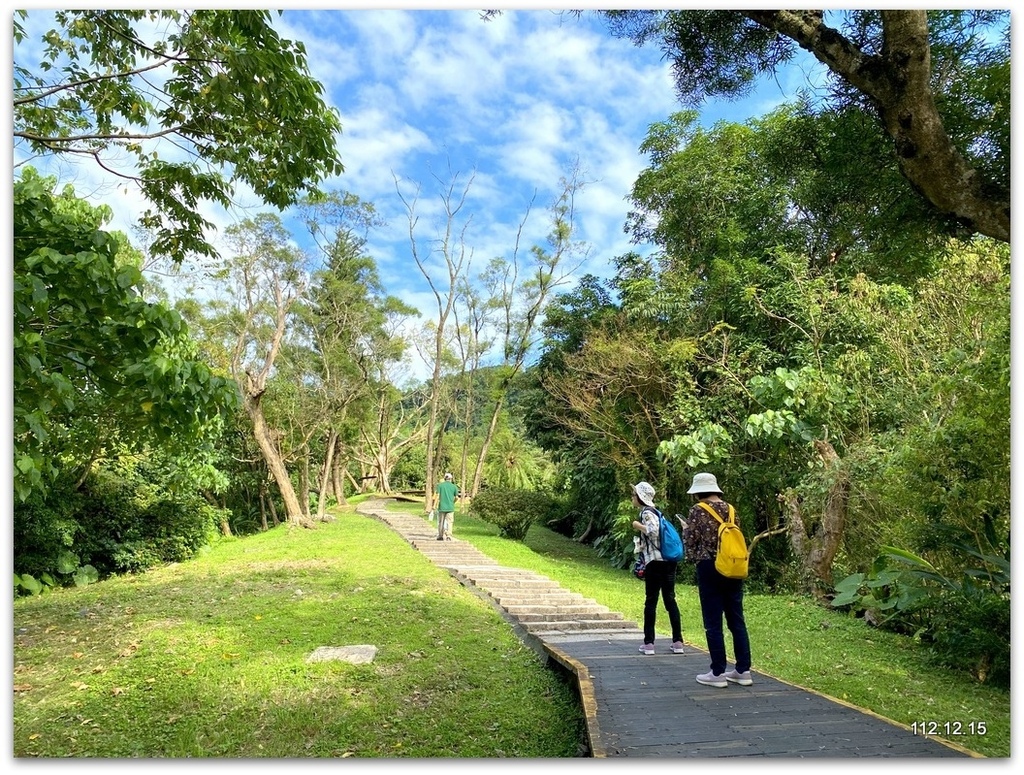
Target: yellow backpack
[[731, 558]]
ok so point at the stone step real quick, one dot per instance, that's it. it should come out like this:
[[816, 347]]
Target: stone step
[[493, 576], [516, 586], [578, 625], [541, 606], [574, 609], [561, 616], [553, 598], [436, 548]]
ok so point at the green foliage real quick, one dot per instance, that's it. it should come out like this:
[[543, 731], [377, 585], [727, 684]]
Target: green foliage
[[28, 583], [68, 570], [408, 471], [44, 527], [513, 463], [514, 511], [591, 497], [618, 543], [124, 519], [965, 622], [94, 363], [706, 445], [845, 179], [940, 451], [720, 198], [896, 361], [222, 85]]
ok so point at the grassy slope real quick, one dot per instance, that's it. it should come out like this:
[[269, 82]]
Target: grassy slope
[[207, 658]]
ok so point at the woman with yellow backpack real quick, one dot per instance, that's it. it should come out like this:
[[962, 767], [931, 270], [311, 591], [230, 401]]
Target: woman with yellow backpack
[[720, 595]]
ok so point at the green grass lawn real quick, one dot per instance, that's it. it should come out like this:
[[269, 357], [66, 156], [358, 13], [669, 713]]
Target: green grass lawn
[[208, 658]]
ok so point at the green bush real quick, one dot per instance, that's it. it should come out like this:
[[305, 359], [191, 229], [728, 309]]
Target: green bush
[[964, 622], [117, 522], [126, 532], [513, 511], [179, 527], [971, 633], [45, 528]]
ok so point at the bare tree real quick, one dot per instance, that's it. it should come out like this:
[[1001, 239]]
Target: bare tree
[[521, 289], [450, 246], [472, 344]]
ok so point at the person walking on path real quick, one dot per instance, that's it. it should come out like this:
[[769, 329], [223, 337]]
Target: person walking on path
[[719, 596], [444, 503], [659, 574]]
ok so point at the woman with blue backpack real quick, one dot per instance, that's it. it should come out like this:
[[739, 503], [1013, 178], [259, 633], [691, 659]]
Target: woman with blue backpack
[[659, 571]]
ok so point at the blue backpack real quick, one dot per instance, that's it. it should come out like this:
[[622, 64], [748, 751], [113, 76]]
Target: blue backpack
[[671, 544]]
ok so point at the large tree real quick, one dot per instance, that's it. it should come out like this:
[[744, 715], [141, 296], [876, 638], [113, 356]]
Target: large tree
[[95, 365], [815, 183], [937, 81], [456, 254], [196, 101], [346, 326], [262, 286], [520, 289]]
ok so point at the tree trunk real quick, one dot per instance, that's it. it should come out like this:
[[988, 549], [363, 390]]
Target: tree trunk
[[817, 548], [303, 496], [273, 510], [428, 479], [898, 82], [491, 429], [325, 475], [263, 509], [357, 486], [338, 471], [275, 463]]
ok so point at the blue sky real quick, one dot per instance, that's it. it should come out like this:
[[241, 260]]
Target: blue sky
[[511, 102]]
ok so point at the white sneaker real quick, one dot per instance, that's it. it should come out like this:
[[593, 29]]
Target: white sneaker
[[710, 679]]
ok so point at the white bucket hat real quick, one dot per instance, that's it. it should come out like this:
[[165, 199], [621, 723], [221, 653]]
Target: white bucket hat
[[704, 483], [645, 492], [448, 477]]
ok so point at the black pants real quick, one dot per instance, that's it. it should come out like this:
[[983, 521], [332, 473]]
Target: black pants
[[720, 597], [660, 579]]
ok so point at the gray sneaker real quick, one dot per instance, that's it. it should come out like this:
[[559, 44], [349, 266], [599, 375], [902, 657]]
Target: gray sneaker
[[743, 679], [710, 679]]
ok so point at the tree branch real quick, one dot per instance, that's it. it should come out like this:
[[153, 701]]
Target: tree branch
[[898, 83]]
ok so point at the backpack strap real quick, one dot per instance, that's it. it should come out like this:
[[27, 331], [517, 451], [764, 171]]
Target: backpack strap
[[657, 514], [713, 513]]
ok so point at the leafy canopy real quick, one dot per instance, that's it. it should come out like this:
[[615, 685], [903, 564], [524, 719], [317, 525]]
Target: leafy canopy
[[93, 360], [197, 101]]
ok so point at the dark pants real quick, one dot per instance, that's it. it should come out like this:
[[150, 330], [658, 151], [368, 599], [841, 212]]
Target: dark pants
[[720, 597], [660, 579]]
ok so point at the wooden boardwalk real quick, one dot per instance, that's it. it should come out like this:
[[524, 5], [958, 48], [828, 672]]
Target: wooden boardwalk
[[651, 706]]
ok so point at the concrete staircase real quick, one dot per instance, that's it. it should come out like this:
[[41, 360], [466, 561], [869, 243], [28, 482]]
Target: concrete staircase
[[537, 604]]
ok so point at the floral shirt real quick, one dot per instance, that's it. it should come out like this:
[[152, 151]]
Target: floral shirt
[[701, 534], [651, 540]]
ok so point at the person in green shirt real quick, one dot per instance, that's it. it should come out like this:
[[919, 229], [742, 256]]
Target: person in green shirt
[[447, 492]]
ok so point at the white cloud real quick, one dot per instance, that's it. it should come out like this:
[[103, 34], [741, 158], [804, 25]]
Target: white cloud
[[512, 102]]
